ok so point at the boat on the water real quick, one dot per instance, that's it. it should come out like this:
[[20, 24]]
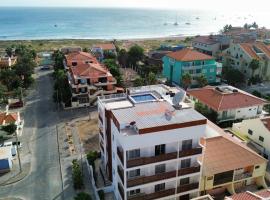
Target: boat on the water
[[187, 23]]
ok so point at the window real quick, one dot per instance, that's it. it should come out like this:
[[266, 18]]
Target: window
[[159, 187], [160, 168], [204, 71], [185, 163], [261, 138], [257, 167], [198, 71], [250, 132], [134, 173], [134, 154], [186, 145], [212, 70], [159, 149], [134, 192], [184, 181]]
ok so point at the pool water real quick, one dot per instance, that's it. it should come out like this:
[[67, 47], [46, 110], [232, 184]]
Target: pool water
[[143, 97]]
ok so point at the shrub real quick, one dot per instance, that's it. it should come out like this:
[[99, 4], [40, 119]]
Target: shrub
[[91, 157], [10, 128], [82, 196], [101, 195], [77, 175]]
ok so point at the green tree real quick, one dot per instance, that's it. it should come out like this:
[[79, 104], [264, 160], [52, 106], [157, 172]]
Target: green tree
[[151, 79], [85, 49], [138, 82], [82, 196], [9, 51], [10, 128], [254, 65], [123, 57], [109, 55], [233, 76], [208, 113], [10, 79], [202, 81], [186, 80], [3, 90], [135, 54], [62, 89], [58, 58]]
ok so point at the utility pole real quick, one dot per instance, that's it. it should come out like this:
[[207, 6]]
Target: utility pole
[[19, 158]]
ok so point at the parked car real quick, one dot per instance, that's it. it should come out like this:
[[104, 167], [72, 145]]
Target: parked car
[[17, 104], [45, 67]]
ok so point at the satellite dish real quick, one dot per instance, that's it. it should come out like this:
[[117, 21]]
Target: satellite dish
[[178, 97]]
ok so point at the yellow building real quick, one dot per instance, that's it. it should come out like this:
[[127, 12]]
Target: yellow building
[[229, 165], [258, 131]]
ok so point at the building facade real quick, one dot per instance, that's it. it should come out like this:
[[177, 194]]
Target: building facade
[[228, 102], [150, 149], [99, 50], [239, 56], [176, 64], [258, 131]]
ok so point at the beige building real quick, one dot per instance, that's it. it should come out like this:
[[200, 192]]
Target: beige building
[[258, 131], [241, 54]]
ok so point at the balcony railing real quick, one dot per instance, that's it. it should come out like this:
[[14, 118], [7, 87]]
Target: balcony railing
[[190, 152], [242, 176], [101, 133], [102, 147], [121, 191], [148, 160], [155, 195], [121, 174], [163, 157], [187, 187], [157, 177], [223, 180], [100, 118], [120, 155], [105, 83]]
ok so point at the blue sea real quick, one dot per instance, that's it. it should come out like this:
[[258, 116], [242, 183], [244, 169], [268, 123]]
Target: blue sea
[[101, 23]]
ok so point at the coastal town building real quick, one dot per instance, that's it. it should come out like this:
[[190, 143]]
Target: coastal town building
[[176, 64], [258, 132], [150, 147], [242, 35], [5, 159], [99, 50], [229, 165], [7, 118], [259, 195], [78, 58], [154, 58], [239, 56], [228, 102], [7, 62]]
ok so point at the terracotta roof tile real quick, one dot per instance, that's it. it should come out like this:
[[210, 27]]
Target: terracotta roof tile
[[248, 48], [189, 55], [219, 101], [266, 122], [106, 46], [222, 154], [8, 118], [80, 57], [263, 193], [244, 196], [89, 70]]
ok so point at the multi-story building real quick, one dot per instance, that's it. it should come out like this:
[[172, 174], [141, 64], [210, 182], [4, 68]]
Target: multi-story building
[[176, 64], [206, 44], [229, 165], [87, 78], [230, 103], [100, 49], [150, 148], [239, 56], [258, 132]]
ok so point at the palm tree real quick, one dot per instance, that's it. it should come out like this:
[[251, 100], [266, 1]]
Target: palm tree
[[202, 81], [151, 79], [253, 65], [186, 80]]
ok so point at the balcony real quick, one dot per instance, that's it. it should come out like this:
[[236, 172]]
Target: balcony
[[148, 160], [100, 119], [242, 176], [155, 195], [120, 155], [157, 177], [187, 187], [101, 133], [121, 174], [190, 152], [101, 146], [121, 191], [105, 83]]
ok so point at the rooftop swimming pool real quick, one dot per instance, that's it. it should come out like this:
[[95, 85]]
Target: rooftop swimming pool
[[142, 98]]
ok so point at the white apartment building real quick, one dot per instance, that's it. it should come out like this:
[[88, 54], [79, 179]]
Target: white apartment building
[[149, 147]]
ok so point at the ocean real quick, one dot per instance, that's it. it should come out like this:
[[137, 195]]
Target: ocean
[[101, 23]]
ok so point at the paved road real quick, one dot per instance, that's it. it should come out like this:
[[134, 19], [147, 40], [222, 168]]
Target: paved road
[[40, 140]]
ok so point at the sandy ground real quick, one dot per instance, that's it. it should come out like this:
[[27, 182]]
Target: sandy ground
[[89, 132]]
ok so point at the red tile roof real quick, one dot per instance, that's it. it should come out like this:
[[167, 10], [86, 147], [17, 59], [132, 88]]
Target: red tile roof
[[263, 193], [89, 70], [244, 196], [220, 101], [205, 40], [266, 122], [8, 118], [80, 57], [223, 153], [249, 49], [106, 46], [189, 55]]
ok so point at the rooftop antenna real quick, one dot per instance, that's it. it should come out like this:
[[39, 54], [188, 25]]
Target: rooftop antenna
[[178, 98]]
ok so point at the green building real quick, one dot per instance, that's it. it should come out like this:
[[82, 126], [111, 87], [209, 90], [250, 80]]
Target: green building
[[176, 64]]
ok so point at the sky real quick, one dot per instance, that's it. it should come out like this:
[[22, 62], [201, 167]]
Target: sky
[[246, 5]]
